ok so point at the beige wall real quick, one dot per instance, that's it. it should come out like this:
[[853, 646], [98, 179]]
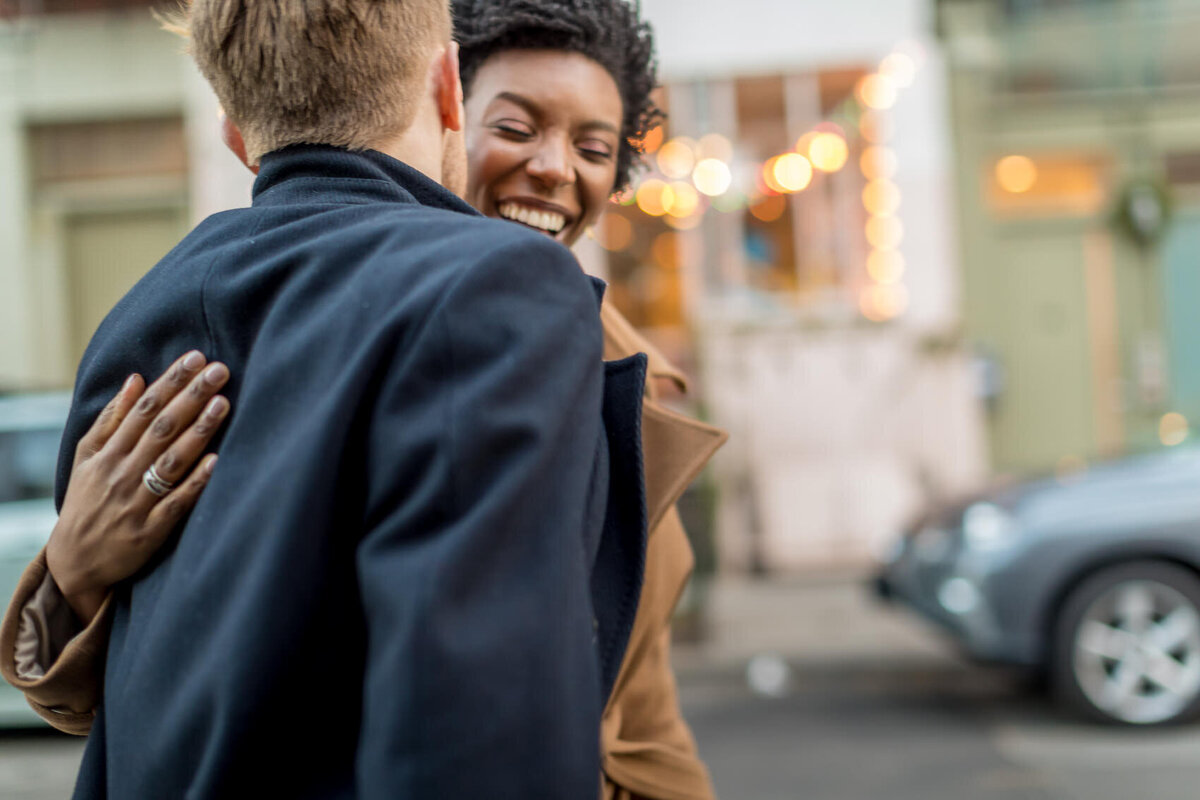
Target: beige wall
[[89, 69]]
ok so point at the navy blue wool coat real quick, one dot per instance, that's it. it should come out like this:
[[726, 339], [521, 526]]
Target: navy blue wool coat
[[415, 569]]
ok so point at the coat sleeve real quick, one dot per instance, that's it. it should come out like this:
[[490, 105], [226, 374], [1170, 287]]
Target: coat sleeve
[[58, 666], [482, 678]]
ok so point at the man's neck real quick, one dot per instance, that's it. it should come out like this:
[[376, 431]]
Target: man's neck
[[418, 149]]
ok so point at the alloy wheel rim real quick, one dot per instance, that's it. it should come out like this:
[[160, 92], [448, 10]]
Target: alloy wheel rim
[[1137, 652]]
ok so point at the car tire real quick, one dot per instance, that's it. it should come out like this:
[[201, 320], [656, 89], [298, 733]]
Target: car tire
[[1126, 646]]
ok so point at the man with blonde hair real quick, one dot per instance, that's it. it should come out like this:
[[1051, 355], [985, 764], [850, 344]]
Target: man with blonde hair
[[384, 590]]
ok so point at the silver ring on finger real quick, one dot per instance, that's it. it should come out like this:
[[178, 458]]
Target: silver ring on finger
[[155, 483]]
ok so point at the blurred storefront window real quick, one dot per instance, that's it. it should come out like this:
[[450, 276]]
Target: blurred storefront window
[[771, 192]]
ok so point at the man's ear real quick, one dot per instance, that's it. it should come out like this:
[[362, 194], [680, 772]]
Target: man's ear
[[448, 88], [234, 141]]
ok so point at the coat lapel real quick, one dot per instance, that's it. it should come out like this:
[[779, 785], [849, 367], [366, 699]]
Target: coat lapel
[[676, 449], [616, 582]]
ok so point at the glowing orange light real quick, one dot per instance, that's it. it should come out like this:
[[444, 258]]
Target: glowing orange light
[[653, 140], [828, 152], [881, 198], [613, 232], [884, 233], [885, 266], [712, 177], [677, 157], [881, 303], [1016, 174], [684, 200], [792, 172], [877, 91], [654, 197], [769, 208], [878, 162], [767, 177]]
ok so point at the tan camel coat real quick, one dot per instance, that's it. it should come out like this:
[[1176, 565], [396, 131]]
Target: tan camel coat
[[648, 750]]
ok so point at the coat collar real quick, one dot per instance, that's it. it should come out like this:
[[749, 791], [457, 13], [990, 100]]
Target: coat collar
[[294, 174], [675, 448]]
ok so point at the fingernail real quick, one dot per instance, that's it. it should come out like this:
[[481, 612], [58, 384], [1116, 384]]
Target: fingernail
[[215, 374], [210, 465], [217, 408], [193, 360], [129, 382]]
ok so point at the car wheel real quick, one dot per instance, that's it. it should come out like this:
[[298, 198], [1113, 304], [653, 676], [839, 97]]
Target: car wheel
[[1127, 645]]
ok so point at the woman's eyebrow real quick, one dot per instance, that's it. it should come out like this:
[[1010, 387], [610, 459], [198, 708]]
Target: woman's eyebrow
[[534, 110]]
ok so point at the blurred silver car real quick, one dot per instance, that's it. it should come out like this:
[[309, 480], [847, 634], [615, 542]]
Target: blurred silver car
[[1094, 578], [31, 427]]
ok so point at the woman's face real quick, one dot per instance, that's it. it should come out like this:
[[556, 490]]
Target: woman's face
[[542, 131]]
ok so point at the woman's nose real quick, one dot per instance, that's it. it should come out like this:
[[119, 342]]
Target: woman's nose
[[551, 165]]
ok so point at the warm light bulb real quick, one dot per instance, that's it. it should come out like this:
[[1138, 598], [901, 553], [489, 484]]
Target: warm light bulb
[[881, 198], [885, 266], [676, 158], [1173, 429], [878, 162], [884, 233], [712, 177], [792, 172], [828, 152], [684, 200], [877, 91], [654, 196], [1016, 174]]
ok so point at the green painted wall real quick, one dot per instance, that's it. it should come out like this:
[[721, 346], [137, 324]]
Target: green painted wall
[[1181, 301]]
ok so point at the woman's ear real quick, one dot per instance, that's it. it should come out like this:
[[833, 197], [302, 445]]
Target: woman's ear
[[232, 136], [448, 88]]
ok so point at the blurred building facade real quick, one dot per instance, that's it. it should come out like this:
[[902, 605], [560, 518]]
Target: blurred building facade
[[793, 245], [108, 152], [1078, 152]]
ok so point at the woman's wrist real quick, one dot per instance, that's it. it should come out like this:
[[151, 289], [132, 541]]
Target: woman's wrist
[[84, 599]]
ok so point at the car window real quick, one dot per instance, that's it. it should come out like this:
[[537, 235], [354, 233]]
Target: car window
[[28, 459]]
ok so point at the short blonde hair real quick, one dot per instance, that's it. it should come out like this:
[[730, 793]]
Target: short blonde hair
[[347, 73]]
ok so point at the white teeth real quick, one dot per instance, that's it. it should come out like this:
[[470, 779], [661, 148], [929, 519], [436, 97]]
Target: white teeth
[[542, 220]]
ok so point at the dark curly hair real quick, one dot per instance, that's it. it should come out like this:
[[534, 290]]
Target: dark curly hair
[[610, 32]]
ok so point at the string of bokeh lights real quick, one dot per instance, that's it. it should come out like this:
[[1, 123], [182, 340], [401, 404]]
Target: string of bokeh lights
[[692, 176]]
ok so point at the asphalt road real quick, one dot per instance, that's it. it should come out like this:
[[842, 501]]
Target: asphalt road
[[925, 732]]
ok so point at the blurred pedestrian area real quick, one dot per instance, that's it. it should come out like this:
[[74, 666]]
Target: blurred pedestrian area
[[817, 625]]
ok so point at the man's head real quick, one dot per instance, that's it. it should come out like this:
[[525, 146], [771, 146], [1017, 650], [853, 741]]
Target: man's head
[[349, 73]]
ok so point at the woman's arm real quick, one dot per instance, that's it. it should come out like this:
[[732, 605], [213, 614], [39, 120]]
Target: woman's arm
[[53, 636]]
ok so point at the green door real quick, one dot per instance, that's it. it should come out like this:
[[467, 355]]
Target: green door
[[1045, 411], [1181, 286]]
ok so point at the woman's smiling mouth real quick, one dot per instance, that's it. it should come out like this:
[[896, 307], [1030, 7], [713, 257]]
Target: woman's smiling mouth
[[547, 221]]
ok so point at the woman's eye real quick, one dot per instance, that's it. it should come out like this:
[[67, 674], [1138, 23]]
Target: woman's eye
[[514, 129], [596, 150]]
